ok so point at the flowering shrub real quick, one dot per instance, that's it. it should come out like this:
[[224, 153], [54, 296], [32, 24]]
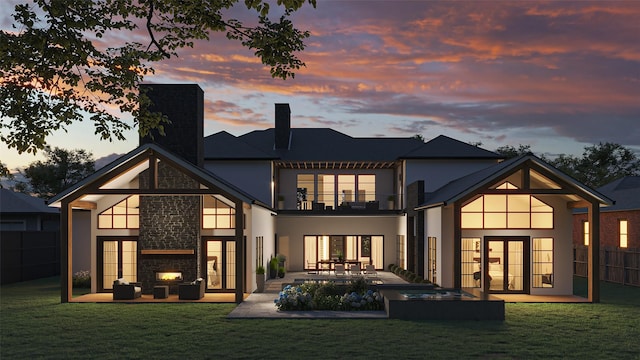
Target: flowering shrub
[[293, 298], [321, 297], [82, 279], [370, 300]]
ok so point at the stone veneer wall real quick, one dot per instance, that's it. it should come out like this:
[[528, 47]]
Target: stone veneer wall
[[169, 223]]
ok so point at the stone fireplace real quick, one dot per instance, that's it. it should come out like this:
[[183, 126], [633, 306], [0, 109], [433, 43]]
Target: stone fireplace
[[169, 238]]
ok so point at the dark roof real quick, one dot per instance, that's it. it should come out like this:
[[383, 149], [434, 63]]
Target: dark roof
[[12, 202], [227, 146], [324, 144], [447, 148], [463, 186], [625, 192]]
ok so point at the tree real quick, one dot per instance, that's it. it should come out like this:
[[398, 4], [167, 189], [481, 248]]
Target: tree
[[509, 151], [61, 169], [600, 164], [56, 69], [418, 137]]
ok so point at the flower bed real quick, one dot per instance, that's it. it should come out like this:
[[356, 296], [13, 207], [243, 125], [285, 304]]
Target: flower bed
[[326, 297]]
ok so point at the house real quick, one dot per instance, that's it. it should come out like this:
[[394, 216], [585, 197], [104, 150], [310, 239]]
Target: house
[[29, 237], [620, 223], [506, 229], [22, 212], [184, 206]]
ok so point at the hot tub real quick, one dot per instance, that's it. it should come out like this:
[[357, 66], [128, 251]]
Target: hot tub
[[441, 304]]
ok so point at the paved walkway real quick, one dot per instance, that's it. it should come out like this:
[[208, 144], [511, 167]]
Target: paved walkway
[[261, 306]]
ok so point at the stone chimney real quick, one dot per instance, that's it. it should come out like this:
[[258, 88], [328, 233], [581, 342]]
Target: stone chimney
[[283, 127], [183, 104]]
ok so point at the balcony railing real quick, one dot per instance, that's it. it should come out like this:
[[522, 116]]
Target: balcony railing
[[373, 203]]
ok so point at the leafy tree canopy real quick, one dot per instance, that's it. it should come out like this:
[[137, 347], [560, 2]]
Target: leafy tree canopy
[[510, 151], [57, 69], [61, 169], [600, 164]]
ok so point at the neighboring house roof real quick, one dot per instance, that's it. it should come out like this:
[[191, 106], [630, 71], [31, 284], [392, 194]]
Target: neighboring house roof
[[625, 192], [12, 202], [465, 185], [323, 144], [447, 148], [130, 165]]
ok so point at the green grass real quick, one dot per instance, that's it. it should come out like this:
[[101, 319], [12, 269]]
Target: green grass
[[35, 325]]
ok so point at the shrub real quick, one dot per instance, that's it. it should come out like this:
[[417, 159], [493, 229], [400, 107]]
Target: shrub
[[81, 279], [329, 297]]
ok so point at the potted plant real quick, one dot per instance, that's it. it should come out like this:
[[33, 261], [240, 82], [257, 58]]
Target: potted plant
[[273, 268], [340, 255], [281, 272], [260, 278], [390, 200]]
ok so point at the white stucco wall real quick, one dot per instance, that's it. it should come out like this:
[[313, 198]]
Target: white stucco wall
[[262, 223], [296, 227]]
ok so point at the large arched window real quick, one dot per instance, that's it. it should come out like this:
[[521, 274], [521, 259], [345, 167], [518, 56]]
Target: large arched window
[[507, 211]]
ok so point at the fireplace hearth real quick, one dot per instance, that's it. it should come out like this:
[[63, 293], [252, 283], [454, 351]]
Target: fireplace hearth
[[168, 276]]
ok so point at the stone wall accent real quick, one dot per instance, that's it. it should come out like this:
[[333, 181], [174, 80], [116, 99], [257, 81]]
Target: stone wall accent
[[169, 223]]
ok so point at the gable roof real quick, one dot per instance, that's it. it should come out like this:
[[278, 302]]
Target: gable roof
[[12, 202], [131, 164], [324, 144], [461, 187]]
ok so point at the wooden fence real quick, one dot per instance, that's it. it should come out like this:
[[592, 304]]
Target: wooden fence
[[616, 265], [29, 255]]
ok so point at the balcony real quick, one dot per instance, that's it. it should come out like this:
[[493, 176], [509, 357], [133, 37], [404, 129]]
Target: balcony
[[297, 205]]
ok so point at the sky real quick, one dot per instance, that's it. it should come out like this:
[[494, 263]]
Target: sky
[[555, 75]]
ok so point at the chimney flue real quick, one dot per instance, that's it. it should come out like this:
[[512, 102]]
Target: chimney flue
[[283, 126]]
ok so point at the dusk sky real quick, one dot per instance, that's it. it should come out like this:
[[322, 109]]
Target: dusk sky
[[556, 75]]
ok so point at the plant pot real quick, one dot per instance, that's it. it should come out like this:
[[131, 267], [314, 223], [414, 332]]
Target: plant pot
[[260, 283]]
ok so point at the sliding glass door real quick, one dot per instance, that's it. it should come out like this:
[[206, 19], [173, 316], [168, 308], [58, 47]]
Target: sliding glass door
[[221, 264]]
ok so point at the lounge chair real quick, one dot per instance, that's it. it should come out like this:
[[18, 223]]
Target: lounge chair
[[125, 290], [355, 270], [339, 270], [370, 270]]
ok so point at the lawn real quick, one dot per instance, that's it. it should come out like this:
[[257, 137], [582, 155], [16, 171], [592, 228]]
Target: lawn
[[35, 325]]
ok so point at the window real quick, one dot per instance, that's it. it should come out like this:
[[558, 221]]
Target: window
[[327, 190], [623, 233], [470, 263], [123, 215], [259, 251], [542, 262], [305, 194], [431, 261], [332, 190], [217, 214], [585, 232], [508, 211], [364, 248]]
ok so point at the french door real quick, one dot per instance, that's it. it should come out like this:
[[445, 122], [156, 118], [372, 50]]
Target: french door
[[220, 264], [118, 259], [506, 265]]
